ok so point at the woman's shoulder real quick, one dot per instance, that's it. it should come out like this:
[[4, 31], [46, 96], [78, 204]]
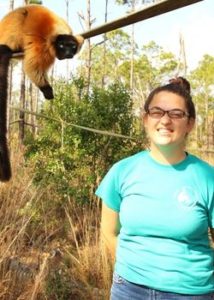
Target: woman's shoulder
[[201, 165], [126, 165], [133, 159]]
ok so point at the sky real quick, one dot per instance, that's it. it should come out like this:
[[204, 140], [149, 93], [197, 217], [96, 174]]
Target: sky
[[195, 22]]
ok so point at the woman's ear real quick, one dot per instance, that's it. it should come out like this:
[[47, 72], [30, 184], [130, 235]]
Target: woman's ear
[[190, 125]]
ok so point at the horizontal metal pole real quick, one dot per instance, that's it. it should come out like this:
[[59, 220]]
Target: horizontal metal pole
[[143, 14], [140, 15]]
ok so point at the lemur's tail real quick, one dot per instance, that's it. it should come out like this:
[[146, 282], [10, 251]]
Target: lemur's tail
[[5, 167]]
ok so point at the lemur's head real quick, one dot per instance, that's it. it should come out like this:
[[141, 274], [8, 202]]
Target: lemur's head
[[67, 45]]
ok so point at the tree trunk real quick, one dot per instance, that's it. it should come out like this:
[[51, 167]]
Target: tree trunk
[[10, 79], [11, 5], [132, 52], [22, 106], [104, 47], [88, 62], [132, 61], [33, 97], [67, 19]]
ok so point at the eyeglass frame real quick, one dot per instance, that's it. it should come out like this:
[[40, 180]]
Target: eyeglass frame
[[185, 114]]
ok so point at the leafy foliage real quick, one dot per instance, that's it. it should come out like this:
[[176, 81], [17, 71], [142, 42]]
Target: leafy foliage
[[202, 80], [72, 158]]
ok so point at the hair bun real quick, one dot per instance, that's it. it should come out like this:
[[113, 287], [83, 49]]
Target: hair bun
[[183, 82]]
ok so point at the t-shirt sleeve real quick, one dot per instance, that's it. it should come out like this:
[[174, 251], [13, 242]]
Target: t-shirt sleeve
[[211, 202], [108, 189], [211, 212]]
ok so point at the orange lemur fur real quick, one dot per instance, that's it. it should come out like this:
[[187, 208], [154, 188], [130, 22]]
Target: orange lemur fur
[[42, 36]]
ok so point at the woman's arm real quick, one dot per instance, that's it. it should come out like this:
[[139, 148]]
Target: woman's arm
[[110, 228]]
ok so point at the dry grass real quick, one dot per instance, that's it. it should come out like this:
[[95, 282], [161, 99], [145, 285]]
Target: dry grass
[[48, 257]]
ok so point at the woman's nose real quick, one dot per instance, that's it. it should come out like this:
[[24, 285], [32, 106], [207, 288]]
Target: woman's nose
[[165, 119]]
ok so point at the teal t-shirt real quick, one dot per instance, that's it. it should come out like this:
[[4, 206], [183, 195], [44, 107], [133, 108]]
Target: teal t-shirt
[[165, 212]]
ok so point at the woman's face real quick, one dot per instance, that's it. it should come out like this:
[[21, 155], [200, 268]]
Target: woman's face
[[166, 130]]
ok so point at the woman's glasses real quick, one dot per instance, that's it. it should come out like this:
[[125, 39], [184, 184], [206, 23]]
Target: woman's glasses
[[158, 113]]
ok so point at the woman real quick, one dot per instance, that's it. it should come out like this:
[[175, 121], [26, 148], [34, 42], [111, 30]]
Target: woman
[[158, 206]]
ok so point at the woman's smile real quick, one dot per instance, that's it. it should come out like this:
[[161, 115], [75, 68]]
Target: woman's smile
[[164, 131]]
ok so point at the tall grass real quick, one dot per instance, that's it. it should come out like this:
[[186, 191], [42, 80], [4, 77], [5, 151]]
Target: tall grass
[[46, 252]]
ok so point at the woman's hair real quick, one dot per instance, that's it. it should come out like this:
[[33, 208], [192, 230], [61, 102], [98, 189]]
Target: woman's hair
[[179, 86]]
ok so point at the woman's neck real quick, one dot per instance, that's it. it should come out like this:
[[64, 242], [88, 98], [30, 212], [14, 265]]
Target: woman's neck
[[167, 155]]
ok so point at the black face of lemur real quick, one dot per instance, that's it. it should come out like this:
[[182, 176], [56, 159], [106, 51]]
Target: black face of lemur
[[66, 46]]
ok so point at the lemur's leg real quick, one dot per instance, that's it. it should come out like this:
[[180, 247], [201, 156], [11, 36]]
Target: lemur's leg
[[5, 167], [37, 60]]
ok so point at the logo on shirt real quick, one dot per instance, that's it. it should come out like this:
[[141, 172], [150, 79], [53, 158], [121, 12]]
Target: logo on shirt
[[187, 197]]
